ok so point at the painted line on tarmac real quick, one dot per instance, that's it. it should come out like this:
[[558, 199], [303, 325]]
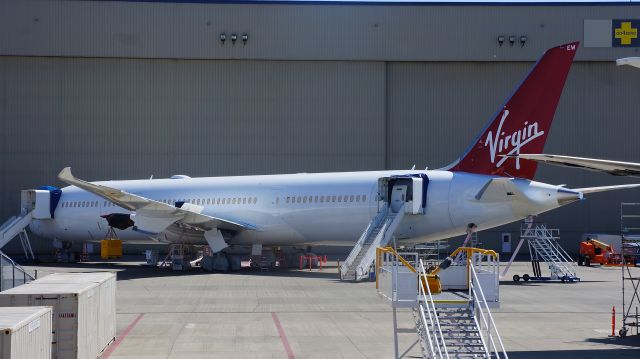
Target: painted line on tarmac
[[283, 336], [119, 340]]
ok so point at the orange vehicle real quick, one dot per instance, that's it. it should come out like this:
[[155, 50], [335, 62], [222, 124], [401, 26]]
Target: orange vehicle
[[593, 251]]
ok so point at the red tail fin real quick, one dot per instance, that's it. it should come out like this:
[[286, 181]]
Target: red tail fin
[[523, 123]]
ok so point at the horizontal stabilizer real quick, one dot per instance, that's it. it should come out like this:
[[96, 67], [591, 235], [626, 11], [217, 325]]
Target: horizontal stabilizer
[[606, 188], [617, 168]]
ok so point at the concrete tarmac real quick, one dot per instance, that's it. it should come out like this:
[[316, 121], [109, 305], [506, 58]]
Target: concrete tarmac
[[302, 314]]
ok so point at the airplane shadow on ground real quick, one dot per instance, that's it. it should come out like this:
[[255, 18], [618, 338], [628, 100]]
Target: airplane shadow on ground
[[631, 342], [551, 282], [582, 354], [138, 271]]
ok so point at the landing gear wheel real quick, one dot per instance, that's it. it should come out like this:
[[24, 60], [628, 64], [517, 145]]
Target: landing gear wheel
[[516, 278], [623, 333], [526, 277]]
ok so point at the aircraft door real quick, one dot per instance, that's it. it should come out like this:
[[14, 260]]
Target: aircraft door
[[398, 197]]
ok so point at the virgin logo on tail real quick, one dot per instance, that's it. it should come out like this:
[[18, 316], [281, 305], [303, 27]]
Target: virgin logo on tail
[[513, 125], [499, 143]]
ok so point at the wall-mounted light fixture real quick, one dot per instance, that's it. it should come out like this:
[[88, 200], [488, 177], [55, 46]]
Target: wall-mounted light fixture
[[223, 38], [512, 40], [234, 37], [500, 40], [245, 38], [523, 40]]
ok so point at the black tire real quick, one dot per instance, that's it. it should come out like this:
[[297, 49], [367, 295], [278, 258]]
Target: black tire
[[623, 333], [526, 277], [587, 261], [516, 278], [580, 261]]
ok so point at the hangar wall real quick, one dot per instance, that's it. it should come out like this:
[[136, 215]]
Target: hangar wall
[[116, 98]]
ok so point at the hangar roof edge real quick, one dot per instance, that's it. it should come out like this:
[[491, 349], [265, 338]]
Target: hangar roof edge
[[399, 3]]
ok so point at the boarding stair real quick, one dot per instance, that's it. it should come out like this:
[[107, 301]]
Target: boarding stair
[[16, 226], [544, 247], [377, 234], [449, 323]]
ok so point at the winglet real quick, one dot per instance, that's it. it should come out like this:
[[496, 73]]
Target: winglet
[[66, 176]]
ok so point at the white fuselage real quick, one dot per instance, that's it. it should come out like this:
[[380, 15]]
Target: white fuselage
[[304, 209]]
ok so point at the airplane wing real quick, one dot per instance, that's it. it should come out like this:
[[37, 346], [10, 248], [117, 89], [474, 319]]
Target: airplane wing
[[152, 216], [616, 168]]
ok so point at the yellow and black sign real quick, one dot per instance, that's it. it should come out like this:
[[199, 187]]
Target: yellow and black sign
[[625, 33]]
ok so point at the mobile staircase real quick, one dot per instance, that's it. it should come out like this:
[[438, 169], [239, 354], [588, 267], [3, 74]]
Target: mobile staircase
[[377, 234], [451, 322], [544, 247], [16, 226]]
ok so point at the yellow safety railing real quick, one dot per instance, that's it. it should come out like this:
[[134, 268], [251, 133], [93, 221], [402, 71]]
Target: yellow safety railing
[[380, 252]]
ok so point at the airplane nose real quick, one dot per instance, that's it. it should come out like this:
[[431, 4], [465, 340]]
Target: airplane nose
[[565, 196]]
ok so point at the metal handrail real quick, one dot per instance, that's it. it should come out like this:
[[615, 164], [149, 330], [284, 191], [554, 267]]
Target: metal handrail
[[484, 313], [360, 243], [431, 308], [389, 225], [566, 261], [26, 277]]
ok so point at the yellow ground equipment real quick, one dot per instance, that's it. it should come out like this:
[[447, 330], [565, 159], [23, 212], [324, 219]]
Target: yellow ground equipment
[[111, 246], [432, 280]]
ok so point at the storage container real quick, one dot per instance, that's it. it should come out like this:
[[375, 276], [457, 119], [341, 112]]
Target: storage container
[[110, 248], [83, 310], [25, 332], [106, 292]]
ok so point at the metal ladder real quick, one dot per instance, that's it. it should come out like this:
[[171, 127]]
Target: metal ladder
[[543, 246], [450, 331], [377, 234], [630, 256]]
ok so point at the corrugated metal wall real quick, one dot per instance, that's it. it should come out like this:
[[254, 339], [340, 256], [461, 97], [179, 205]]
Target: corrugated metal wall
[[108, 88], [127, 118]]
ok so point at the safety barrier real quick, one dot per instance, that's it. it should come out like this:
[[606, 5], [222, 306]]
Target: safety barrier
[[12, 274]]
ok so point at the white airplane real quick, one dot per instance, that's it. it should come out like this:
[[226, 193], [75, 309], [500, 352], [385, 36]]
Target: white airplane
[[486, 186]]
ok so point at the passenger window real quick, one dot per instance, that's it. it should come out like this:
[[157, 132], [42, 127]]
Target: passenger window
[[333, 198], [321, 199], [299, 199], [304, 199], [339, 199], [315, 199], [364, 198], [255, 200], [288, 198], [358, 198], [218, 201], [351, 198], [244, 200]]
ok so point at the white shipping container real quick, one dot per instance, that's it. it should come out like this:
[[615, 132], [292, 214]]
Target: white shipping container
[[25, 333], [83, 310], [106, 320]]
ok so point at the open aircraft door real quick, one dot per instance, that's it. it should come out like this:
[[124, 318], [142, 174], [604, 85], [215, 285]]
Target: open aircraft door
[[410, 190]]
